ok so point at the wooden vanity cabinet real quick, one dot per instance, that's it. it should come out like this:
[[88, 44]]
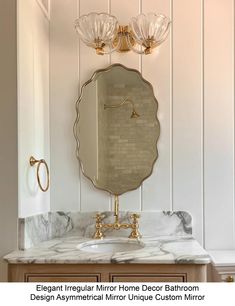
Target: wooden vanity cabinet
[[222, 267], [106, 273]]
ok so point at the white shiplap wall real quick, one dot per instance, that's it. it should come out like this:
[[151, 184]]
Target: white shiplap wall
[[33, 104], [193, 78]]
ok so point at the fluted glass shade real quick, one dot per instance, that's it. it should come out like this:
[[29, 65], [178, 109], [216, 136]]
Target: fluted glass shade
[[102, 32], [149, 30], [97, 30]]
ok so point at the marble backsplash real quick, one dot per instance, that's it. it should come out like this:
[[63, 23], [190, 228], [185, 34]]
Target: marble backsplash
[[35, 229], [38, 228]]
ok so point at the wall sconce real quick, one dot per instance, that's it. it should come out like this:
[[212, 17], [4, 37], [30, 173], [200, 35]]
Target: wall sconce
[[103, 33]]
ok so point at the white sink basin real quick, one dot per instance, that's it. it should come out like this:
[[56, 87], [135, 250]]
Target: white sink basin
[[111, 246]]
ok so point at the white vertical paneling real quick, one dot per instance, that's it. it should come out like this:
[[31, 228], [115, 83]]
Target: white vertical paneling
[[219, 123], [33, 104], [187, 111], [157, 70], [129, 59], [63, 94], [89, 61], [41, 90], [190, 115], [130, 200]]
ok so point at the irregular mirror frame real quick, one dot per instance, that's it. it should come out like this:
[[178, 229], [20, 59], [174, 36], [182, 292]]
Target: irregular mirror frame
[[117, 129]]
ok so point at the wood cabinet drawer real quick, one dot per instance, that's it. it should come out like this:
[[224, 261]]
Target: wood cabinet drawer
[[60, 278], [106, 273], [144, 278], [222, 273]]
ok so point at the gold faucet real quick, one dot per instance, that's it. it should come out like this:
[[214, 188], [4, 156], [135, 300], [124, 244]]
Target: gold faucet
[[135, 234]]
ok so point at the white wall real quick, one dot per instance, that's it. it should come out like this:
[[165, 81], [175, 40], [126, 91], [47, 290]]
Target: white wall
[[8, 133], [193, 78], [33, 104]]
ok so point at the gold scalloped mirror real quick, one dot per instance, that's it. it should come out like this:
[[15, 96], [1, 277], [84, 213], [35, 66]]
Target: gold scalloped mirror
[[117, 129]]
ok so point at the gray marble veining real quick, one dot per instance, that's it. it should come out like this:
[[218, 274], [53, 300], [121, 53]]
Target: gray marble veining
[[158, 250], [35, 229], [38, 228]]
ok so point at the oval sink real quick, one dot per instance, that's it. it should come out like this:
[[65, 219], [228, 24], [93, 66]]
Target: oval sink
[[110, 246]]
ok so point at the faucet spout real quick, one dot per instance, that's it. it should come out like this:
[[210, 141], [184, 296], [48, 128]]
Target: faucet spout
[[116, 209], [117, 225]]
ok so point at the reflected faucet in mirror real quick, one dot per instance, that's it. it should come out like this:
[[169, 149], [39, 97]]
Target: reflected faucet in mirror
[[134, 113], [115, 153]]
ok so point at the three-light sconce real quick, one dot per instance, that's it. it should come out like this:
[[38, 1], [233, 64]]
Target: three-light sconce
[[103, 32]]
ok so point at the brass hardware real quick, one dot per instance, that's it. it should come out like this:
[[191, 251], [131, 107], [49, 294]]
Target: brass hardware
[[126, 36], [32, 162], [98, 234], [116, 208], [150, 45], [229, 279], [135, 226], [135, 234], [99, 47], [99, 50], [148, 50], [123, 32], [120, 41], [134, 114], [123, 41]]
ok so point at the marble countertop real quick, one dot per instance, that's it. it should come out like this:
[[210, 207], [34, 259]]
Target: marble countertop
[[156, 250], [222, 257]]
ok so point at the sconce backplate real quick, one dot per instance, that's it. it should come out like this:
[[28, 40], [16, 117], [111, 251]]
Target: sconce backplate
[[124, 30]]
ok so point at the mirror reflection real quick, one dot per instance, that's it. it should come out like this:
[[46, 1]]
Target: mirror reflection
[[117, 129]]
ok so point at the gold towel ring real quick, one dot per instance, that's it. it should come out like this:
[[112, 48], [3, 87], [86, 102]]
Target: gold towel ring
[[34, 161]]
